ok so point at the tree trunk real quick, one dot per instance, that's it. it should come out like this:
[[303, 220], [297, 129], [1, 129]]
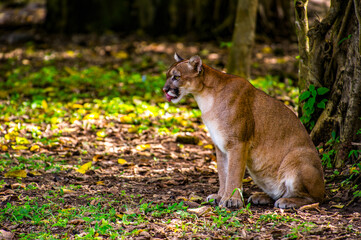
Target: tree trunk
[[275, 18], [243, 38], [332, 59]]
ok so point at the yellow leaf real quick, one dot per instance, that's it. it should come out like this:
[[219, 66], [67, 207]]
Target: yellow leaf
[[69, 70], [184, 123], [97, 158], [181, 198], [267, 50], [4, 148], [247, 180], [49, 89], [121, 55], [85, 167], [19, 147], [16, 173], [196, 198], [122, 161], [100, 183], [119, 215], [339, 206], [34, 148], [68, 209], [67, 190], [54, 120], [44, 104], [133, 129], [126, 119], [21, 140], [142, 147], [76, 105], [35, 173], [70, 53], [200, 143], [208, 146], [101, 134], [7, 136], [81, 111], [92, 116]]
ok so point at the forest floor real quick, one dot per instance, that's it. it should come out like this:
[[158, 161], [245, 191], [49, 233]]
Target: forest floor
[[90, 149]]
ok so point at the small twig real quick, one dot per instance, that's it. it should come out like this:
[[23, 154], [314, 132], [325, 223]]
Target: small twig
[[344, 22], [310, 206], [348, 204]]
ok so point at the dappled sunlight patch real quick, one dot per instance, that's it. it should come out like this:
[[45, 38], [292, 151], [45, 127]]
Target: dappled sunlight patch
[[98, 152]]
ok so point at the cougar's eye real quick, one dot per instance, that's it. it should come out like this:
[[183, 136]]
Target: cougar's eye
[[175, 77]]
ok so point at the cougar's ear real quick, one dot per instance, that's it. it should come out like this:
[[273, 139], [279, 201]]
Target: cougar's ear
[[195, 63], [177, 57]]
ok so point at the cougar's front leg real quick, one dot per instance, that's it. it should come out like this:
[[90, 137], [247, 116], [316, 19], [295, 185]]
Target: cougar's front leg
[[236, 167], [222, 173]]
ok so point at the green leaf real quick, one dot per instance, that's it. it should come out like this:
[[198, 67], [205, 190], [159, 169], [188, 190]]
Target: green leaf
[[322, 90], [333, 135], [305, 95], [311, 87], [314, 93], [321, 105], [310, 102]]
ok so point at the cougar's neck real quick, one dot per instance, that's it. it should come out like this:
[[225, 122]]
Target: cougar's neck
[[206, 96]]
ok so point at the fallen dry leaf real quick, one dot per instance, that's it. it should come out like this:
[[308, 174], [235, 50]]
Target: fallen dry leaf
[[34, 148], [6, 235], [85, 167], [122, 161], [310, 206], [142, 147], [76, 221], [16, 173], [18, 185], [200, 211]]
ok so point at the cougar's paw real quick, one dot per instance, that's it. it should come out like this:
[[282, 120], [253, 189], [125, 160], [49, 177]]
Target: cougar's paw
[[290, 202], [231, 203], [260, 198], [216, 198]]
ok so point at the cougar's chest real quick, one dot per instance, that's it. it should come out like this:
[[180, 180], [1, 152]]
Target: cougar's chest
[[206, 105], [216, 133]]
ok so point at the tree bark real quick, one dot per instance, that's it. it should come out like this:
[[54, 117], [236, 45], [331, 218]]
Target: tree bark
[[333, 60], [243, 38]]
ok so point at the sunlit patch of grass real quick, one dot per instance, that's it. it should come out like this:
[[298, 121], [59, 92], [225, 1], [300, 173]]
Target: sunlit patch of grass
[[40, 107]]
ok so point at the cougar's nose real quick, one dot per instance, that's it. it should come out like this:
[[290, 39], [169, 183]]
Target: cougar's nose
[[165, 89]]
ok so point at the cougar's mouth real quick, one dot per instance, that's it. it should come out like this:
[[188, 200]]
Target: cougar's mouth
[[169, 95]]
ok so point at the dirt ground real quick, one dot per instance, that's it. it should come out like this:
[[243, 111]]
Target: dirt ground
[[167, 171]]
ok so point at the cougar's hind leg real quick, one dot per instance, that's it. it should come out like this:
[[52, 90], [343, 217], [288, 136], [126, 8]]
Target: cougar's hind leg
[[303, 181]]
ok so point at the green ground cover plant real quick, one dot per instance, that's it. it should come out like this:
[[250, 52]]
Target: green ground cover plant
[[92, 153]]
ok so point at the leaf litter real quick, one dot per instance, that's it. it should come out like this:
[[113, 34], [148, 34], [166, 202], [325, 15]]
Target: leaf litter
[[81, 160]]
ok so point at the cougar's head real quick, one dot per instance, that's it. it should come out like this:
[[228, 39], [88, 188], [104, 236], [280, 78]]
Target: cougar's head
[[183, 77]]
